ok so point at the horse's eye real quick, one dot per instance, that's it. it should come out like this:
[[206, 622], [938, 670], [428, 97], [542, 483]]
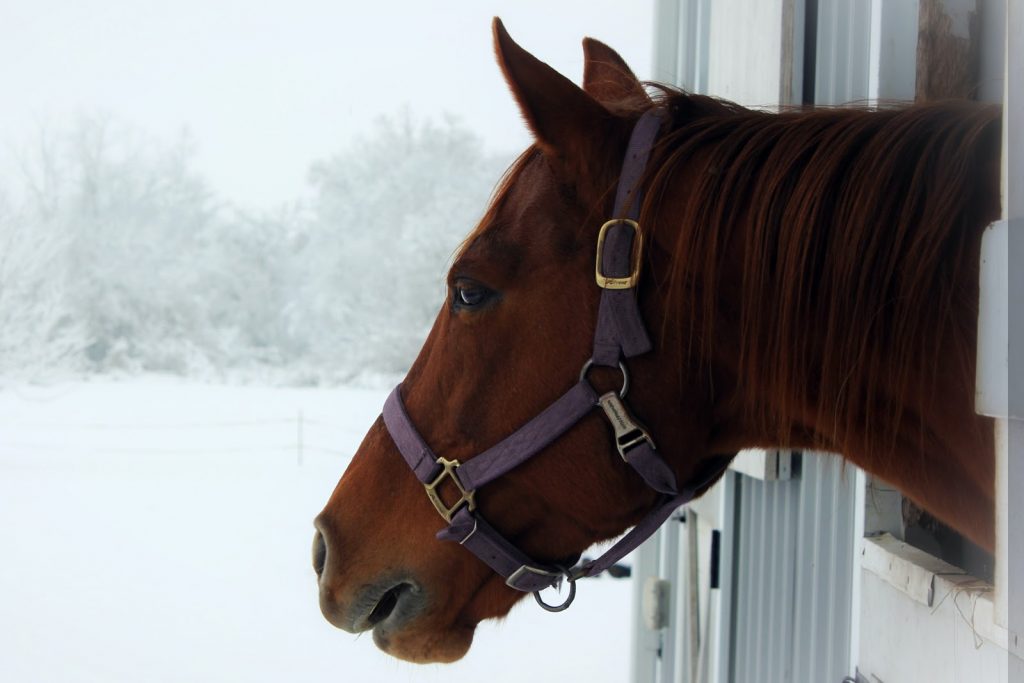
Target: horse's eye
[[470, 296]]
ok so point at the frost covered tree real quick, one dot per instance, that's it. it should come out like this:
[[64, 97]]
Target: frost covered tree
[[115, 256], [390, 211], [138, 224], [36, 328]]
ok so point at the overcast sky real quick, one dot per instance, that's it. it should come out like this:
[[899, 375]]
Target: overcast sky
[[267, 86]]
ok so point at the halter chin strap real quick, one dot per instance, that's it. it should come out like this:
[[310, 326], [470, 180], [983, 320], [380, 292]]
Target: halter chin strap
[[620, 334]]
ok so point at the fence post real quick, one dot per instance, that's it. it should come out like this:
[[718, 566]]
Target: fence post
[[300, 439]]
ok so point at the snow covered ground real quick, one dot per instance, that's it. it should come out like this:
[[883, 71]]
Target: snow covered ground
[[157, 530]]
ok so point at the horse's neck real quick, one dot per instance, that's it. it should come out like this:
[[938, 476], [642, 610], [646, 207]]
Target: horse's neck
[[845, 332]]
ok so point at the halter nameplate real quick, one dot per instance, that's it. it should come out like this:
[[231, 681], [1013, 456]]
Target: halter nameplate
[[629, 433]]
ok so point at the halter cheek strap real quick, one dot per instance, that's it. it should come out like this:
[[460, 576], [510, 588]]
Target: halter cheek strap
[[620, 334]]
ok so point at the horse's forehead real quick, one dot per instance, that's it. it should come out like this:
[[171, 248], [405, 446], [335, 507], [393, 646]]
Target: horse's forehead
[[524, 216], [530, 195]]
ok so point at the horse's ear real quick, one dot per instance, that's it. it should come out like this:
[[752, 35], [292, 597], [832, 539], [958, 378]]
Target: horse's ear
[[606, 76], [561, 115]]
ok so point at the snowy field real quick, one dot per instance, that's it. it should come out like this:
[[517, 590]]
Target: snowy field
[[157, 530]]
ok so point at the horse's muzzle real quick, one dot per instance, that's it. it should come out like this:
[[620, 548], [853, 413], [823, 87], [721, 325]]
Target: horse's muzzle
[[388, 603]]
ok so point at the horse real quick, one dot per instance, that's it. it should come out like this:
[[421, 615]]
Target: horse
[[809, 278]]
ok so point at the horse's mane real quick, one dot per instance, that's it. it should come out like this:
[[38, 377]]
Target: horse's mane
[[856, 237]]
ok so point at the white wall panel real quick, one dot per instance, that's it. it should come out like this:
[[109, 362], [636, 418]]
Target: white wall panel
[[745, 51]]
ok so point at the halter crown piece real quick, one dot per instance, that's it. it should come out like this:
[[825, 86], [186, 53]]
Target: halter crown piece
[[620, 334]]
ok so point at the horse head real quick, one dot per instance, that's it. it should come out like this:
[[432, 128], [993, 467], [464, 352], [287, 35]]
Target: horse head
[[810, 279], [516, 329]]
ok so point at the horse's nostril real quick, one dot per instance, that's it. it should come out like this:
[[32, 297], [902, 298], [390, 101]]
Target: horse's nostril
[[319, 553], [386, 605]]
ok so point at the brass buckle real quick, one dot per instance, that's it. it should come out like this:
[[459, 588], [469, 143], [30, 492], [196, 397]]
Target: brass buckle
[[629, 281], [449, 467]]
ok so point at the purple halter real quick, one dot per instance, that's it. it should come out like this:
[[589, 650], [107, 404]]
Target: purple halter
[[620, 334]]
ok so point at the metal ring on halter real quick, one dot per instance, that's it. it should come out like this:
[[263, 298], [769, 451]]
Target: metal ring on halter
[[622, 368], [568, 599]]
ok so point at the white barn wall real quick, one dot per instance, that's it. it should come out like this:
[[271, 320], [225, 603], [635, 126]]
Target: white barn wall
[[925, 644], [745, 51], [750, 51]]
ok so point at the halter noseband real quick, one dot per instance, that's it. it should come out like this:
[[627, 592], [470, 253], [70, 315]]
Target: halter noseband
[[620, 334]]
